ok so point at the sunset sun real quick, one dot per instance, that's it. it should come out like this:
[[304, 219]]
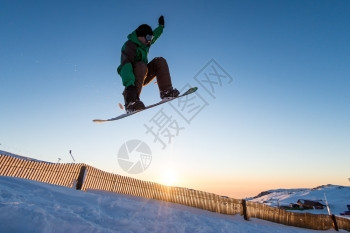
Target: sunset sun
[[169, 178]]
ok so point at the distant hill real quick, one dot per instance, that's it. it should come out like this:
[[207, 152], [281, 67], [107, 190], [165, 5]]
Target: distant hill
[[338, 198]]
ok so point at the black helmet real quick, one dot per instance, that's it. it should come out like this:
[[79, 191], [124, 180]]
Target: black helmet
[[144, 30]]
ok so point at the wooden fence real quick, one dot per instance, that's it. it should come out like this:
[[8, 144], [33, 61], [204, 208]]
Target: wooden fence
[[85, 177], [277, 215], [100, 180], [52, 173]]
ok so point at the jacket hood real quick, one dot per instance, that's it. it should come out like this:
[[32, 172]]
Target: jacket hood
[[133, 37]]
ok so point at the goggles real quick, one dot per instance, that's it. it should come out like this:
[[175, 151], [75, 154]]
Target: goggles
[[149, 38]]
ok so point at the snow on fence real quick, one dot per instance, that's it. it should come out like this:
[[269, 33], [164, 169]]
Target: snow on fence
[[85, 177]]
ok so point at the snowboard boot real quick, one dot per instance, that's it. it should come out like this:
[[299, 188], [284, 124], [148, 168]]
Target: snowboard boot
[[132, 101], [169, 94]]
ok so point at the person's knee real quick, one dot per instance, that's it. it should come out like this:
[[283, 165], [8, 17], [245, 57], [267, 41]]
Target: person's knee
[[160, 60]]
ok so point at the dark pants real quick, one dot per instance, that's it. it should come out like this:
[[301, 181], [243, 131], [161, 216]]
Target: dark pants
[[145, 73]]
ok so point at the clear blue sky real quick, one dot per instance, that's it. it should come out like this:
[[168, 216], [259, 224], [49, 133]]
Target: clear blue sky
[[282, 122]]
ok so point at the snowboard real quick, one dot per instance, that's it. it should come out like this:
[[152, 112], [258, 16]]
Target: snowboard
[[189, 91]]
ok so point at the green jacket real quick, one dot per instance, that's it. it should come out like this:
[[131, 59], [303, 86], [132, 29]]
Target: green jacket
[[134, 51]]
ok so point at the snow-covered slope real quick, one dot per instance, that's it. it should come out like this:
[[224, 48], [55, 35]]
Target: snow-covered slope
[[28, 206], [338, 198]]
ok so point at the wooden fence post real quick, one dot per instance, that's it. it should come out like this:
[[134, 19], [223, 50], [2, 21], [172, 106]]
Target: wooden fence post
[[81, 176], [244, 209], [335, 224]]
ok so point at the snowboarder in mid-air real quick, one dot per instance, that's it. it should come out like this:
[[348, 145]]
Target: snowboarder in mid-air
[[135, 70]]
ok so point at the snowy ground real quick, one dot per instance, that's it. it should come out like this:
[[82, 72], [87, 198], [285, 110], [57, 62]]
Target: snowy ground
[[28, 206]]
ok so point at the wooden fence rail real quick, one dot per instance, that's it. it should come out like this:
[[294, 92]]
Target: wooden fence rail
[[85, 177]]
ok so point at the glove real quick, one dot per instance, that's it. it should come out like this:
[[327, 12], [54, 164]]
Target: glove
[[161, 20]]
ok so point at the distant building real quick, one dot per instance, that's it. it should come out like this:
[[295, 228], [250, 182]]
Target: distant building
[[308, 204]]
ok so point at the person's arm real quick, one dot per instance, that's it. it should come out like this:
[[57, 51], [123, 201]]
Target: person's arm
[[159, 30]]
